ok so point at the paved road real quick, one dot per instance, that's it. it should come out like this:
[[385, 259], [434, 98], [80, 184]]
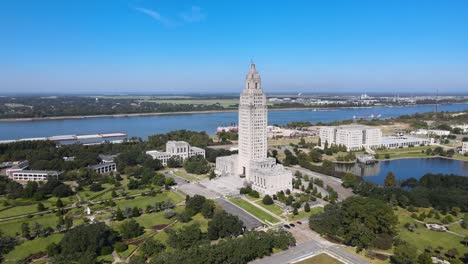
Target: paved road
[[310, 248], [249, 221]]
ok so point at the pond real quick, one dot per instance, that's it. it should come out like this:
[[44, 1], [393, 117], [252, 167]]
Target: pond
[[405, 168]]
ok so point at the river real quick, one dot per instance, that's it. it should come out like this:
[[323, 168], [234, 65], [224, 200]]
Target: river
[[143, 126]]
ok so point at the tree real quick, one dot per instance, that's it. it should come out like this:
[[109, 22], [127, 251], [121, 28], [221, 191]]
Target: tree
[[185, 237], [208, 208], [130, 229], [83, 243], [25, 231], [59, 203], [404, 254], [197, 165], [295, 212], [356, 220], [40, 207], [390, 180], [194, 204], [424, 258], [121, 247], [349, 180], [152, 247], [68, 222], [6, 244], [119, 215], [452, 253], [307, 207], [184, 217], [174, 162], [267, 200], [224, 225]]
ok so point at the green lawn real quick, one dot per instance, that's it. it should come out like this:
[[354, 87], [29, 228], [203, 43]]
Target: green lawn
[[150, 220], [143, 201], [188, 176], [320, 259], [27, 206], [422, 237], [272, 208], [29, 247], [260, 214], [127, 252], [305, 215]]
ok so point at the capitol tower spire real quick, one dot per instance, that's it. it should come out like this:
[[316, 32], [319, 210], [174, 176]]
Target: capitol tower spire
[[251, 163]]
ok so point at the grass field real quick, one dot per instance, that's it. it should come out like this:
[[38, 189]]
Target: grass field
[[30, 247], [254, 210], [305, 215], [150, 220], [272, 208], [320, 259], [143, 201], [26, 206], [422, 237], [127, 252]]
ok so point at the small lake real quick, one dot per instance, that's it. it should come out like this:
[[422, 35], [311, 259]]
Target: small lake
[[405, 168]]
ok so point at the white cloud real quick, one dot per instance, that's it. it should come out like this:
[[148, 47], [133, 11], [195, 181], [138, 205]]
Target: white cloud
[[155, 15]]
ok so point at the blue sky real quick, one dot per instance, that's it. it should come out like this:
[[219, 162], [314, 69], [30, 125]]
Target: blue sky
[[167, 46]]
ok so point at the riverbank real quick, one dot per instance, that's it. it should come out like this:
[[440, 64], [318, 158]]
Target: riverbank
[[78, 117], [455, 157]]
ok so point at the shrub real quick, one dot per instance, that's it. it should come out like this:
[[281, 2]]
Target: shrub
[[267, 200], [169, 213], [120, 247]]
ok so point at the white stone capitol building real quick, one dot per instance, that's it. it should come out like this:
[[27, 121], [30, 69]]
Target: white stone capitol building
[[252, 162]]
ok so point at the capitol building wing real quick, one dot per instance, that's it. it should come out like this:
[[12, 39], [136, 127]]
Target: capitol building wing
[[252, 162]]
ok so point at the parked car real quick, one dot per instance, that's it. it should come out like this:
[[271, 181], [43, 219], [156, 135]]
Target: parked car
[[292, 225], [286, 226], [299, 222]]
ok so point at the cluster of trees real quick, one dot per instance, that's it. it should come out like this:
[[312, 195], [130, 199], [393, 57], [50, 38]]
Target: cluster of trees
[[83, 244], [249, 191], [32, 106], [7, 244], [197, 165], [243, 249], [227, 136], [406, 253], [211, 154], [128, 212], [439, 191], [34, 190], [357, 221], [439, 151]]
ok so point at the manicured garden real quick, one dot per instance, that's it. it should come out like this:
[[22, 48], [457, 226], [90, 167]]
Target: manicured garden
[[320, 259], [254, 210], [31, 246]]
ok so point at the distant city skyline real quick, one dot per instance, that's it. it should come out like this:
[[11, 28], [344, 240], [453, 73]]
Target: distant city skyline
[[149, 46]]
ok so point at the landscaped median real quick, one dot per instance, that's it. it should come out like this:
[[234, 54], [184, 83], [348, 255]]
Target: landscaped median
[[254, 210]]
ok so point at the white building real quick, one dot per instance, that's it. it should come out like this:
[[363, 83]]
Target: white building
[[179, 149], [464, 148], [32, 175], [405, 141], [463, 127], [354, 137], [431, 132], [104, 167], [252, 162]]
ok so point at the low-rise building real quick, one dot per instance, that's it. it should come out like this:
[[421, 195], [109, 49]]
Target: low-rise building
[[179, 149], [354, 137], [22, 175], [107, 158], [463, 127], [103, 168], [431, 132], [405, 141]]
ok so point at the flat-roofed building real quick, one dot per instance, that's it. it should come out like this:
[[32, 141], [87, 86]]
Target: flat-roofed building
[[103, 168], [33, 175], [404, 142], [179, 149], [353, 137]]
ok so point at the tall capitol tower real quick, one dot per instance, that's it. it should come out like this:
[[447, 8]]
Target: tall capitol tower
[[253, 120], [252, 164]]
